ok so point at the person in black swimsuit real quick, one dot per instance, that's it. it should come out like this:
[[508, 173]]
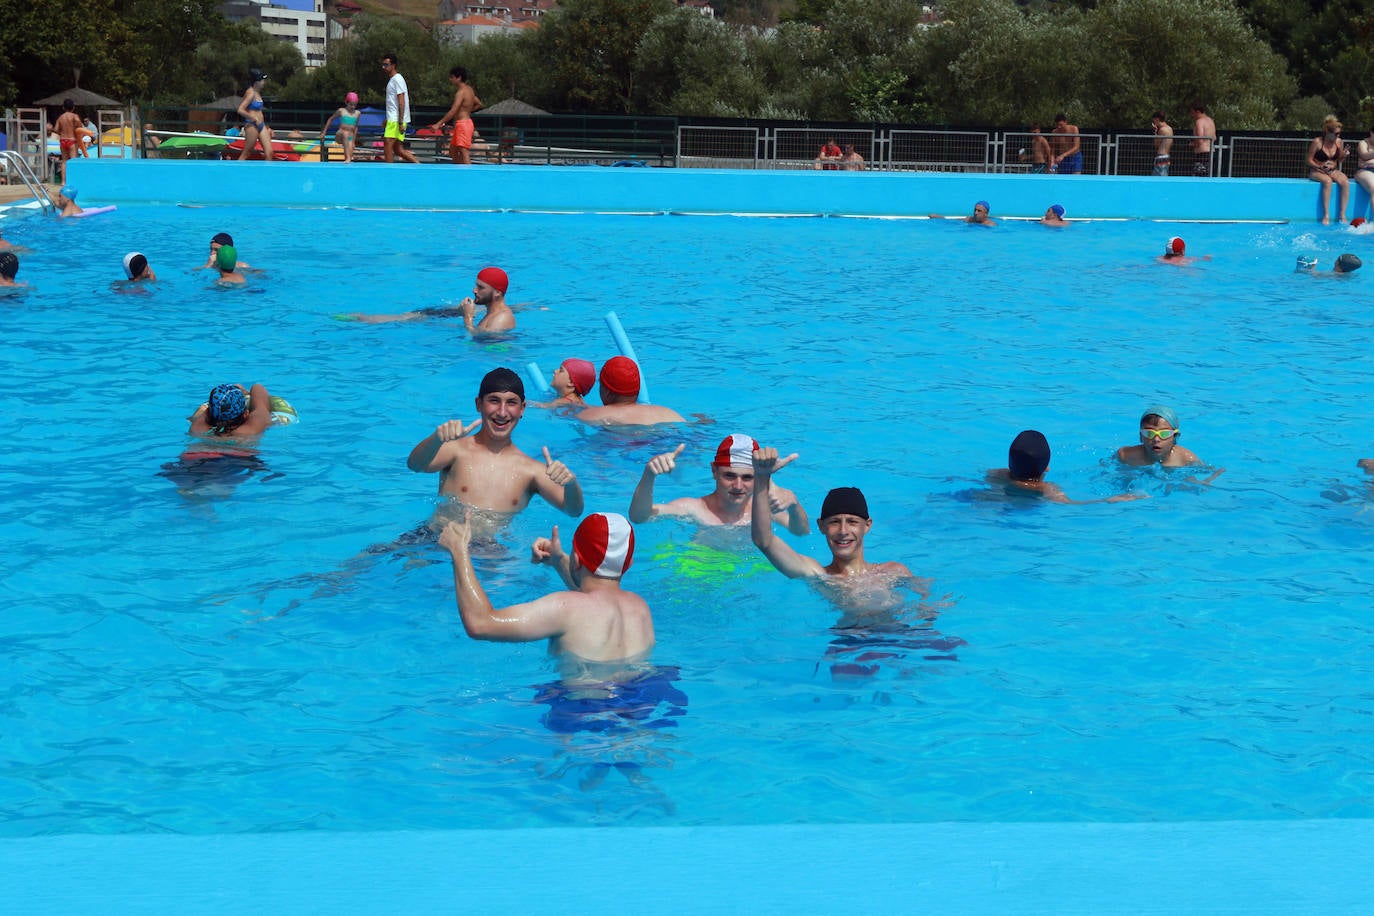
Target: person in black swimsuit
[[1324, 159]]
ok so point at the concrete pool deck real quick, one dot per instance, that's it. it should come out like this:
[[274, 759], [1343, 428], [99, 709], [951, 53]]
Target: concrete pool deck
[[1280, 867]]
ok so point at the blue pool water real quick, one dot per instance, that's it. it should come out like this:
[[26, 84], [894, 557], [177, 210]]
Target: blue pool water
[[231, 659]]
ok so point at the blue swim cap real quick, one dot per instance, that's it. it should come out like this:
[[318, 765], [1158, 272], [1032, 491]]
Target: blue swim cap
[[1057, 210], [68, 192], [983, 204], [228, 404], [1306, 262], [1164, 413]]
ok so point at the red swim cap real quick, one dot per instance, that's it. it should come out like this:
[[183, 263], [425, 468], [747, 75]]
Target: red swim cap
[[1174, 246], [735, 451], [621, 375], [605, 544], [1357, 222], [582, 373], [494, 277]]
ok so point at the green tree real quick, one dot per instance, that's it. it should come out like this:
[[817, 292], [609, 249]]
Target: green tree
[[590, 47], [687, 64], [504, 67], [224, 60], [355, 64], [159, 46], [44, 45]]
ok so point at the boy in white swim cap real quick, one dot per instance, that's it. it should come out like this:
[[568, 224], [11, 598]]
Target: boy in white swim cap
[[731, 502]]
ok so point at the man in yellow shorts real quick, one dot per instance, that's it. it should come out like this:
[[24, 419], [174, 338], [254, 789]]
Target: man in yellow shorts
[[465, 102], [397, 114]]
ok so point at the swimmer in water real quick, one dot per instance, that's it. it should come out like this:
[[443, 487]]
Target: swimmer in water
[[619, 399], [488, 291], [1347, 263], [1159, 435], [1175, 253], [219, 241], [226, 259], [595, 621], [136, 268], [731, 502], [9, 268], [231, 412], [1054, 216], [479, 464], [65, 202], [844, 522], [980, 215], [571, 381], [1028, 459]]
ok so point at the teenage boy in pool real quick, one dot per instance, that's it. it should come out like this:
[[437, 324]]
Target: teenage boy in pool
[[594, 622], [731, 502], [480, 466], [1028, 459], [619, 399], [220, 240], [571, 381], [844, 522], [226, 260], [1159, 435], [489, 291], [1175, 253]]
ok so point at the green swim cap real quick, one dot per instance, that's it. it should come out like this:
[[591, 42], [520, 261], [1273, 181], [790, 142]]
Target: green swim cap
[[226, 257]]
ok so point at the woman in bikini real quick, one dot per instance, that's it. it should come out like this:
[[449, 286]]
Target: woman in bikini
[[255, 129], [1324, 159]]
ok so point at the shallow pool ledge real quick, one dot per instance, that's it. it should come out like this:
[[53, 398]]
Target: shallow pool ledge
[[1252, 867], [652, 190]]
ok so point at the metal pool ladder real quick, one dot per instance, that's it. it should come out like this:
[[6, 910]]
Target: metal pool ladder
[[15, 164]]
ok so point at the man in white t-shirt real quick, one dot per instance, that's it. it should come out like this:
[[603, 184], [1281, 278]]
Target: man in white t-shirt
[[397, 114]]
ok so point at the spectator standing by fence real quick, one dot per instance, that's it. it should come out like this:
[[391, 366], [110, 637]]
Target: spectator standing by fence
[[1204, 133], [1068, 152], [1164, 142]]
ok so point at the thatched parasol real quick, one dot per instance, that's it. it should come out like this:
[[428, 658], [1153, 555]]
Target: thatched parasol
[[79, 96], [513, 107]]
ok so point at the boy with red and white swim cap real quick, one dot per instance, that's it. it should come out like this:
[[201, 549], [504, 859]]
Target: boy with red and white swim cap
[[620, 399], [595, 620], [1175, 253], [731, 503]]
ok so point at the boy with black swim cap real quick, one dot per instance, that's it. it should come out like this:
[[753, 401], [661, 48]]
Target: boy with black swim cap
[[843, 521], [1028, 459], [9, 267], [478, 463]]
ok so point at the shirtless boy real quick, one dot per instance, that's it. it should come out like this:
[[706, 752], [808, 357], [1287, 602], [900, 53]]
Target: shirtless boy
[[844, 522], [465, 102], [732, 501], [619, 396], [479, 464], [595, 620], [1159, 435]]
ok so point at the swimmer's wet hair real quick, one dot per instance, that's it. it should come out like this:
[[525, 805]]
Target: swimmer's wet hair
[[9, 264]]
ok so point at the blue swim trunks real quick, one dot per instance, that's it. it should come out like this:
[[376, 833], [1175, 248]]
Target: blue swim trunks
[[1071, 165], [648, 701]]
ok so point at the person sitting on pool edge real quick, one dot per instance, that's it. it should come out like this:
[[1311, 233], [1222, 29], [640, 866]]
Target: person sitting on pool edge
[[595, 621], [219, 240], [843, 521], [233, 413], [732, 501], [136, 268], [619, 399], [483, 468], [9, 268], [1054, 216], [1028, 459], [65, 202], [489, 290], [572, 380], [226, 259], [1175, 253]]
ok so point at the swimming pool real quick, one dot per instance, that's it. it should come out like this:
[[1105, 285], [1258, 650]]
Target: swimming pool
[[226, 663]]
